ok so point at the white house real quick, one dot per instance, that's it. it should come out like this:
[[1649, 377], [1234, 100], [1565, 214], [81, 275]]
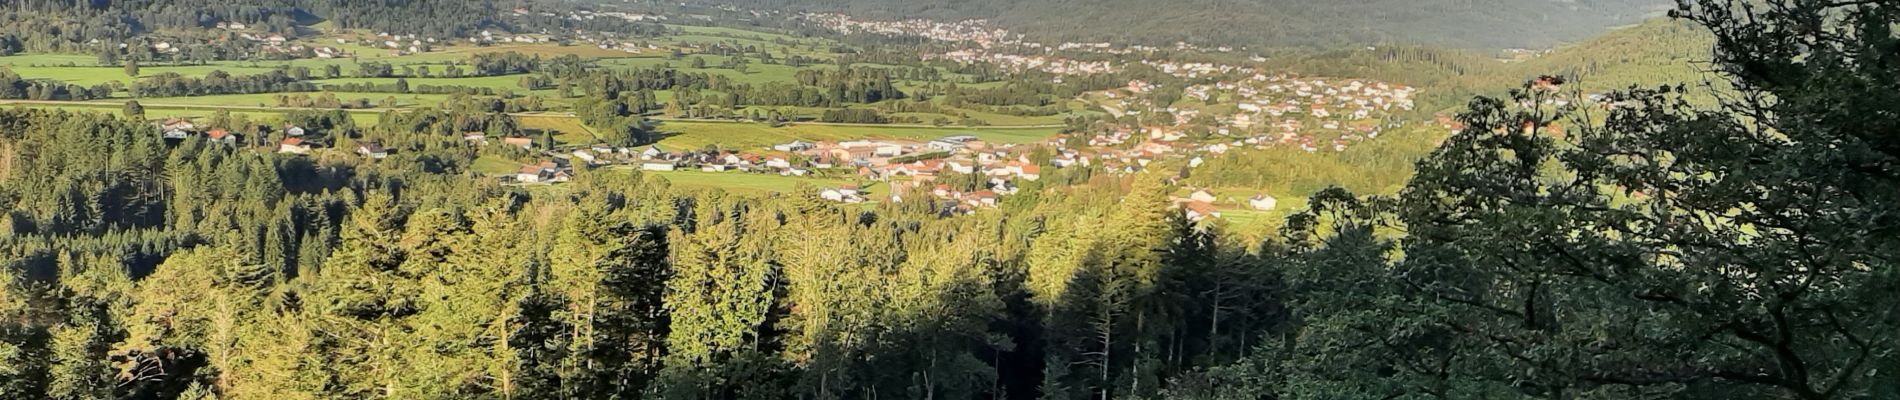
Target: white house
[[961, 166], [528, 174], [984, 198], [584, 155], [221, 136], [842, 194], [1203, 196], [1263, 202], [659, 166], [794, 146], [372, 150]]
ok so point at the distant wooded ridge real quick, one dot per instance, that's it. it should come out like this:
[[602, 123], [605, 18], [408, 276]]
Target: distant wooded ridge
[[1482, 24]]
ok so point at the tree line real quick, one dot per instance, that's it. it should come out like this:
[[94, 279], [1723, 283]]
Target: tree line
[[12, 86]]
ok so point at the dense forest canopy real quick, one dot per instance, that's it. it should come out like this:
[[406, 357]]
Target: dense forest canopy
[[1492, 24]]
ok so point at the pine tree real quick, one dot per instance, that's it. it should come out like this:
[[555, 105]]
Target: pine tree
[[718, 300], [79, 354], [367, 296], [613, 275]]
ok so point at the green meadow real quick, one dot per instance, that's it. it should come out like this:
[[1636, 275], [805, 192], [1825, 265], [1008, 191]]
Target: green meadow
[[269, 100], [362, 117], [751, 136], [759, 183], [491, 165], [84, 70]]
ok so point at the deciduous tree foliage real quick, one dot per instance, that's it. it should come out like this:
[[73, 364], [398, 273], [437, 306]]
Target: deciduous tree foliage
[[1744, 251]]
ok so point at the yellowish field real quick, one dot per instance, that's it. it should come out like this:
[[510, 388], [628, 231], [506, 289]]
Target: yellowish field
[[568, 130]]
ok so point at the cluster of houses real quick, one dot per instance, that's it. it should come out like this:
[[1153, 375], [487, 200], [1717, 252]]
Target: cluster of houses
[[162, 47], [1000, 47], [611, 44], [490, 37], [294, 141], [1201, 204], [906, 164], [1311, 114], [602, 40], [546, 171], [992, 45], [277, 43], [975, 31], [1017, 63], [397, 44], [180, 129]]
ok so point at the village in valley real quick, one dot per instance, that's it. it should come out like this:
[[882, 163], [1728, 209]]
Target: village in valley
[[1310, 114], [1214, 109]]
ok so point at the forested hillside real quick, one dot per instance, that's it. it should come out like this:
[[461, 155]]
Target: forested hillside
[[78, 26], [1269, 23], [1656, 51], [1634, 246]]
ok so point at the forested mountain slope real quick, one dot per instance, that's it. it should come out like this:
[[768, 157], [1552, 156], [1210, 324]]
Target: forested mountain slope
[[1655, 52], [1270, 23], [67, 25]]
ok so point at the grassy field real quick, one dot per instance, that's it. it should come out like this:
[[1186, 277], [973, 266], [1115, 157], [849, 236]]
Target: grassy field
[[491, 165], [756, 72], [694, 135], [567, 129], [84, 69], [270, 99], [705, 35], [362, 117], [509, 82], [680, 135], [760, 184]]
